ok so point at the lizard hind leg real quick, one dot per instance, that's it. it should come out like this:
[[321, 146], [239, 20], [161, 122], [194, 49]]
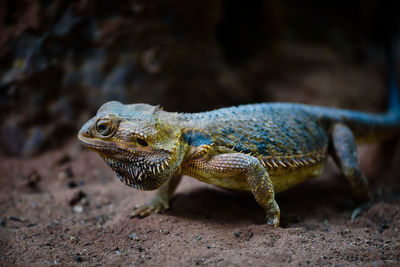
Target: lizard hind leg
[[345, 154]]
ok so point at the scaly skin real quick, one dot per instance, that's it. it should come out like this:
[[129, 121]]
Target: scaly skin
[[261, 148]]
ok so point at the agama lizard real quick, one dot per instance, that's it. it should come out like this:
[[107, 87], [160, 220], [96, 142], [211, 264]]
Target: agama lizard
[[261, 148]]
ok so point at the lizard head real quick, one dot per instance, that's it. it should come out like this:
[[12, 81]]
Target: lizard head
[[142, 149]]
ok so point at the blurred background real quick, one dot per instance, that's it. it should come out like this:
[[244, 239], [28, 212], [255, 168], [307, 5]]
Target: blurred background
[[60, 60]]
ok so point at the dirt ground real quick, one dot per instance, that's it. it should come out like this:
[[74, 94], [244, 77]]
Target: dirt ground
[[62, 59], [66, 207]]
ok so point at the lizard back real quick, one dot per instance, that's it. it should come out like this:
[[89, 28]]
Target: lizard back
[[288, 140]]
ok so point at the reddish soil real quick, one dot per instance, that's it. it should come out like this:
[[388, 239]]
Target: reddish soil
[[66, 206]]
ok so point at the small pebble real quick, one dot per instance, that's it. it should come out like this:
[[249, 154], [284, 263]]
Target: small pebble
[[65, 174], [78, 209], [383, 226], [69, 172], [64, 159], [33, 179], [76, 197], [132, 236], [78, 258], [15, 218], [72, 184]]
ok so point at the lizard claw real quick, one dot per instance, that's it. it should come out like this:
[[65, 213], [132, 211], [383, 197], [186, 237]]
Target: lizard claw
[[156, 205], [273, 220], [360, 209], [273, 214]]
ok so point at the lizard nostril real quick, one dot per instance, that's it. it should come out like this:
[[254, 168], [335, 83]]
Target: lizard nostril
[[84, 133]]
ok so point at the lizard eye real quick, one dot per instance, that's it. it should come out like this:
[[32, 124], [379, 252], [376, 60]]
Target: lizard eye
[[104, 127], [142, 142]]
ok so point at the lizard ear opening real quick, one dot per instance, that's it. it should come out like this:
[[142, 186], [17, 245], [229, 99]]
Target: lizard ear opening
[[142, 142]]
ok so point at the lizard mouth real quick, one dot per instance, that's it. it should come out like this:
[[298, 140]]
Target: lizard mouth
[[99, 146]]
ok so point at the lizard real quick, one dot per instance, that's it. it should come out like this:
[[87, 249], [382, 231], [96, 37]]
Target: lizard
[[263, 148]]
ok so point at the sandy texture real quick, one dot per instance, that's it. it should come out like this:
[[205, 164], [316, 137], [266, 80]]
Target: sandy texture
[[60, 60], [67, 207]]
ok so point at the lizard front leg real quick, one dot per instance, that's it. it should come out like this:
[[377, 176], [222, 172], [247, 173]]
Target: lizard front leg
[[222, 166], [160, 202]]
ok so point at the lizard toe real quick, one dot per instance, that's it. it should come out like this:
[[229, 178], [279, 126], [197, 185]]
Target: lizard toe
[[273, 221], [144, 210]]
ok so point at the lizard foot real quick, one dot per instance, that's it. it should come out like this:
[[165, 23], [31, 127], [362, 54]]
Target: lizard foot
[[273, 220], [156, 205], [273, 214], [360, 209]]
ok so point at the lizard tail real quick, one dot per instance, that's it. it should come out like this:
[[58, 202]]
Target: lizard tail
[[368, 127], [381, 127], [394, 96]]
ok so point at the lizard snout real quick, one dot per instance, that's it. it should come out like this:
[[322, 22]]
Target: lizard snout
[[85, 131]]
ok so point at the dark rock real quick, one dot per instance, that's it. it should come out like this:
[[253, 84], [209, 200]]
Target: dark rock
[[72, 184], [117, 82], [35, 142], [64, 159], [12, 136], [78, 258], [62, 109], [32, 180], [91, 70], [15, 218], [69, 173], [66, 23], [383, 226], [76, 197]]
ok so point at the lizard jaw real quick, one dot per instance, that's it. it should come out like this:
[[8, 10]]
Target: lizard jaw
[[134, 172]]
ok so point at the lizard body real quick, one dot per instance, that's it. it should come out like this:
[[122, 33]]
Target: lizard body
[[261, 148]]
